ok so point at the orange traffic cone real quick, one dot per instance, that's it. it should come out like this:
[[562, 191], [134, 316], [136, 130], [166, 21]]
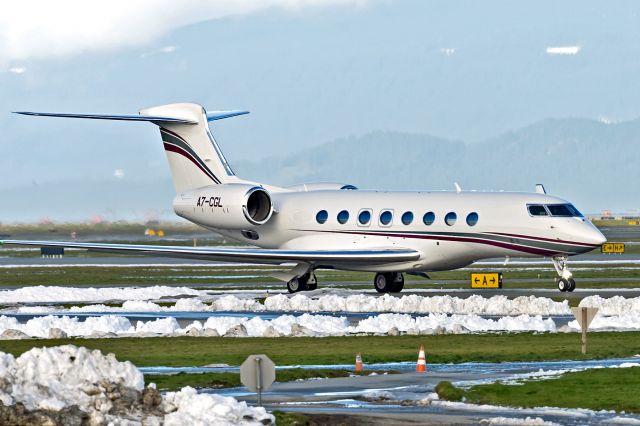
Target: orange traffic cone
[[421, 367], [359, 366]]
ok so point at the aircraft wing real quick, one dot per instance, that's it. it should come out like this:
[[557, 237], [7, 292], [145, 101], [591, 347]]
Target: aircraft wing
[[251, 255]]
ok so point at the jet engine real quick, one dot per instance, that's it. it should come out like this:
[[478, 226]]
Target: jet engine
[[228, 206]]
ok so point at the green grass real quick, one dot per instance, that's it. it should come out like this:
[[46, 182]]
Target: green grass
[[198, 351], [285, 418], [446, 390], [598, 389], [171, 382], [188, 275], [105, 228]]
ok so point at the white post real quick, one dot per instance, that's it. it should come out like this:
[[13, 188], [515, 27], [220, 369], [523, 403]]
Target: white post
[[584, 324], [259, 379]]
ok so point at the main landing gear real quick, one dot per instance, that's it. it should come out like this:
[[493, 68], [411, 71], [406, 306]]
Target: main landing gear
[[389, 282], [565, 281], [306, 282]]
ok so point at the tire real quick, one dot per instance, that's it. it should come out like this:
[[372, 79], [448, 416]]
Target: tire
[[563, 285], [312, 287], [398, 283], [297, 284], [382, 283], [572, 284]]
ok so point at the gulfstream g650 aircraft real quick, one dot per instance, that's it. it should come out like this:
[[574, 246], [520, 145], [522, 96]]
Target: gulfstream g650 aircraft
[[325, 225]]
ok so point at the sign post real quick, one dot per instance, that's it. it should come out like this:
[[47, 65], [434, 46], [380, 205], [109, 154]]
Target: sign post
[[584, 317], [258, 373]]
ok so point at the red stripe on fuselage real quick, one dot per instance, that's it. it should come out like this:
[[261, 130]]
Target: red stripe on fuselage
[[178, 150], [515, 247], [551, 240]]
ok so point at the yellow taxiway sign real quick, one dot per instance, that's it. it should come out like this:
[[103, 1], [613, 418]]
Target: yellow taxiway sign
[[486, 280]]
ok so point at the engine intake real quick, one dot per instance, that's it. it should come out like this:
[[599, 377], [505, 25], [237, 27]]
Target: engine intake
[[257, 206]]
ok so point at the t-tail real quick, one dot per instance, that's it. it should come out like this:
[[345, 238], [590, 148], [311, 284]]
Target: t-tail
[[195, 158]]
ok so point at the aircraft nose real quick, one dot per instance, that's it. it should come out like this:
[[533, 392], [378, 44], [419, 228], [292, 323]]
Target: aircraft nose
[[594, 236]]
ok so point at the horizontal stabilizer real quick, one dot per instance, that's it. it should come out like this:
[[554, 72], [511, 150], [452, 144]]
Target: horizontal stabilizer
[[110, 117], [211, 116]]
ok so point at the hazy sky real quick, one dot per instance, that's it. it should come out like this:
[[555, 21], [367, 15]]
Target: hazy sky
[[309, 71]]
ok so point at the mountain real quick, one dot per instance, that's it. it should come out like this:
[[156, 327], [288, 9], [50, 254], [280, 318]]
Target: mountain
[[594, 164]]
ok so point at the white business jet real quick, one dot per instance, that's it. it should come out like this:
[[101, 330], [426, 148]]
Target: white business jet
[[337, 226]]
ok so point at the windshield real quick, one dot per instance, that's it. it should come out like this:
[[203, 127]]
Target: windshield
[[564, 210], [558, 210]]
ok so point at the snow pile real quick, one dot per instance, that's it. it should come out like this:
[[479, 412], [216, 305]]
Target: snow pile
[[618, 420], [475, 304], [527, 421], [192, 408], [53, 378], [624, 322], [139, 300], [110, 391], [233, 303], [51, 294], [451, 324], [284, 325], [616, 305], [91, 326]]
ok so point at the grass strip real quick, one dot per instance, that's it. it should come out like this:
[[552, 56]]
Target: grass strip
[[198, 351], [597, 389], [172, 382], [187, 275]]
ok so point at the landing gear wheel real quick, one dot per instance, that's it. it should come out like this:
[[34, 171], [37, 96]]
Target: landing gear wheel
[[563, 285], [383, 282], [297, 284], [565, 281], [398, 283], [312, 286]]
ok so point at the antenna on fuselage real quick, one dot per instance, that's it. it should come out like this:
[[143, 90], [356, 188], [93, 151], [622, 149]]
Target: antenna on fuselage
[[458, 189], [540, 189]]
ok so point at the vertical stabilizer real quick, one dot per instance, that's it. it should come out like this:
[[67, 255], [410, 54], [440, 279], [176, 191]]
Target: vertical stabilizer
[[195, 158]]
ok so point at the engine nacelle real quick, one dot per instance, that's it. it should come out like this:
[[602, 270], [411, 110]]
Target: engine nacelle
[[228, 206]]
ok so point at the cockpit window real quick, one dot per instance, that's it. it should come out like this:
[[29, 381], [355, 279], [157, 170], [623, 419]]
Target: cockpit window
[[537, 210], [564, 210]]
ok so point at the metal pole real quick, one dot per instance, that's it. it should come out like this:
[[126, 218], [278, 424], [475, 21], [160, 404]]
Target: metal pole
[[584, 330], [259, 379]]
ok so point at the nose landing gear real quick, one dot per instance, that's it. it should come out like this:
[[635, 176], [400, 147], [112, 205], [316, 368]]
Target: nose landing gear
[[389, 282], [565, 281]]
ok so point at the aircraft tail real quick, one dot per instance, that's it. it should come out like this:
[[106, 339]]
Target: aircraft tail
[[195, 158]]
